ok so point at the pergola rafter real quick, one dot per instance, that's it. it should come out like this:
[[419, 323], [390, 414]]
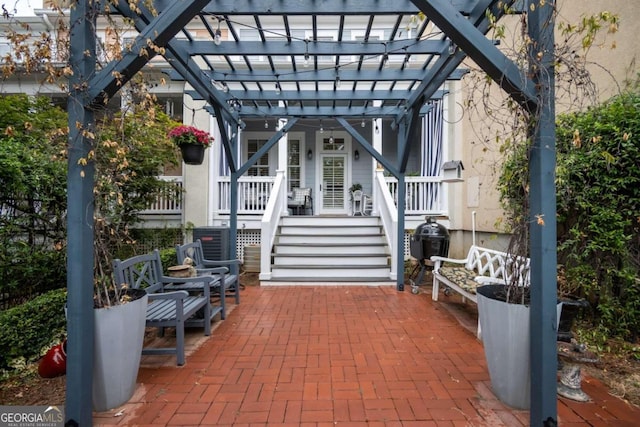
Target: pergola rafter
[[291, 60]]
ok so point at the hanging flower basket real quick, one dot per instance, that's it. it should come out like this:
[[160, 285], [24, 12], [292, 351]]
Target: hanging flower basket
[[192, 154], [192, 142]]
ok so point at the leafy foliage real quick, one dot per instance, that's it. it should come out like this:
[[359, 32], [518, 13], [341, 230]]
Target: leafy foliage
[[32, 194], [598, 207], [130, 152], [27, 330], [598, 186]]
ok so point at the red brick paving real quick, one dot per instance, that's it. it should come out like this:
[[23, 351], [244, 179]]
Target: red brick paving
[[338, 356]]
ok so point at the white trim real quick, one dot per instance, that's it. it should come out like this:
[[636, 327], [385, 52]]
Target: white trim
[[319, 153]]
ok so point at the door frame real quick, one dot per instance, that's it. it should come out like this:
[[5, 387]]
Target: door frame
[[347, 153]]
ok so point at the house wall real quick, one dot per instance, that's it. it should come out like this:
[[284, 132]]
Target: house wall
[[481, 157], [196, 179]]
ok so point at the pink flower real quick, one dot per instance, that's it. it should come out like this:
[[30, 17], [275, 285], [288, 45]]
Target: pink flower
[[190, 135]]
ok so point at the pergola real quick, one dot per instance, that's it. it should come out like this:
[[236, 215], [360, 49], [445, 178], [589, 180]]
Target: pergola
[[393, 76]]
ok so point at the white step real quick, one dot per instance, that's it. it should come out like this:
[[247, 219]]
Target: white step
[[336, 274], [330, 260], [330, 249], [319, 230], [325, 239], [310, 221], [342, 250]]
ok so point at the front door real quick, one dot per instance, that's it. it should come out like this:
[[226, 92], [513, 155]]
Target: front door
[[333, 186]]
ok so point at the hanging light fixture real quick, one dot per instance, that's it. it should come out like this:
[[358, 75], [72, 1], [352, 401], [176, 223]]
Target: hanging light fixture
[[217, 38], [306, 53]]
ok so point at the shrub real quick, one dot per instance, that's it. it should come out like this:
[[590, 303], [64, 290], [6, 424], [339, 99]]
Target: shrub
[[598, 205], [28, 330]]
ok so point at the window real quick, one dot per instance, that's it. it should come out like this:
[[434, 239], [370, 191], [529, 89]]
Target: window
[[261, 167], [333, 144], [293, 164]]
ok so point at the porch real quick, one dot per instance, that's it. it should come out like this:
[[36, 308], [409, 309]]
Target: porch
[[425, 195]]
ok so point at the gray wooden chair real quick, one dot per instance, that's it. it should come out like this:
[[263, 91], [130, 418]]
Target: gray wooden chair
[[176, 308], [230, 280]]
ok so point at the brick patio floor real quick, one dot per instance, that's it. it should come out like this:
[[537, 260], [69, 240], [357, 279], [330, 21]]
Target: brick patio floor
[[338, 356]]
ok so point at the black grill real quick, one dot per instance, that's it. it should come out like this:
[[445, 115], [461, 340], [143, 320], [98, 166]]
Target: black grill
[[429, 239]]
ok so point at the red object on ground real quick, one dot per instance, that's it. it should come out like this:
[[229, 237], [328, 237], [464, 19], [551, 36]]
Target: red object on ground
[[54, 363]]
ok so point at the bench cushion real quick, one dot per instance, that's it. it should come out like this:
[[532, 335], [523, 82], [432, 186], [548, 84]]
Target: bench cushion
[[461, 277]]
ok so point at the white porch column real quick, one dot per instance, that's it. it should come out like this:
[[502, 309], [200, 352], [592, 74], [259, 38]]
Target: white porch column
[[283, 160], [214, 170], [376, 138]]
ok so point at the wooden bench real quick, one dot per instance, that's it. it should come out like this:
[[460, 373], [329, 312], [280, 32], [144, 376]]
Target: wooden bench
[[231, 278], [176, 308], [481, 266]]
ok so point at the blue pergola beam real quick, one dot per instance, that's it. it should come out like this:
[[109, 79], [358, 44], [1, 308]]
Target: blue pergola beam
[[447, 63], [182, 63], [165, 26], [267, 146], [473, 42], [300, 48], [366, 145], [327, 74], [316, 7], [249, 111], [325, 95]]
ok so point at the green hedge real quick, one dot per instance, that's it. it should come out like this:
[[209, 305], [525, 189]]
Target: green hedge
[[27, 331]]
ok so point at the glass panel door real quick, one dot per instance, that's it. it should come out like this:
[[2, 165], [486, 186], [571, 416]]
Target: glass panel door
[[333, 184]]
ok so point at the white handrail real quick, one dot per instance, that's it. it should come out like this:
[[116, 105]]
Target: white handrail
[[387, 210], [269, 223]]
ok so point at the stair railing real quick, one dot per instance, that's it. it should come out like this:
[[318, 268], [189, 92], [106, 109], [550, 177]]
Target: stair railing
[[386, 208], [276, 205]]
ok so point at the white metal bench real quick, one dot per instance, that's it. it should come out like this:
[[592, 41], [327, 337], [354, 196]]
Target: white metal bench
[[481, 266]]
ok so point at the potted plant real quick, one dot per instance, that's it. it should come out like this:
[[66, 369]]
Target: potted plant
[[192, 143], [503, 312], [125, 183]]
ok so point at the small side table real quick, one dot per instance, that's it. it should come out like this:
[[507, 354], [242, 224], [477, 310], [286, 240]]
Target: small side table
[[573, 356]]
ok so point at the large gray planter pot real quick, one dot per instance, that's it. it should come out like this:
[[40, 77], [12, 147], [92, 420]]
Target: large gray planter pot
[[506, 341], [119, 336]]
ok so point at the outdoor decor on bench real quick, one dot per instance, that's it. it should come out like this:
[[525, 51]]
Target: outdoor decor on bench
[[176, 308], [231, 276], [481, 266]]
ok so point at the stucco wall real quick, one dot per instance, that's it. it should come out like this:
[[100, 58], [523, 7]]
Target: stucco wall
[[609, 69]]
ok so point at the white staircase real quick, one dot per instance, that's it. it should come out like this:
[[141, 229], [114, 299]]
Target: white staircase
[[330, 249]]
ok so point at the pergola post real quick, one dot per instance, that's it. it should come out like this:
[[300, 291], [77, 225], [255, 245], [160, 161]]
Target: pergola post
[[542, 219], [80, 182]]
